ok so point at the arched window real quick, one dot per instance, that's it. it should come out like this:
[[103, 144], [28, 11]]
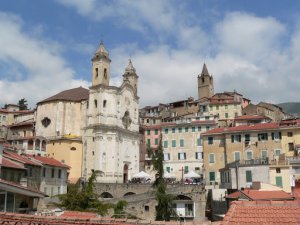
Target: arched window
[[96, 70], [105, 73]]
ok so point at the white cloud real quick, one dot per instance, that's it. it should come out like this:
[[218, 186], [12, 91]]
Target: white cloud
[[36, 68]]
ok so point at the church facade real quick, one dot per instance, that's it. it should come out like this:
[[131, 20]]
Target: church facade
[[111, 134]]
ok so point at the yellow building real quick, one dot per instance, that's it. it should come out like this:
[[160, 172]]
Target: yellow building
[[255, 144], [290, 131]]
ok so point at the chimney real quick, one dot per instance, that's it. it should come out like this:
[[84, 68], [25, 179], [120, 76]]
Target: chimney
[[23, 182]]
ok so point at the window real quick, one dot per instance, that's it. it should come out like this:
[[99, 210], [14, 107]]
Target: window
[[212, 176], [277, 152], [199, 155], [148, 132], [278, 170], [166, 156], [226, 115], [217, 107], [249, 155], [105, 73], [182, 156], [210, 140], [193, 129], [276, 135], [179, 130], [291, 146], [226, 106], [235, 138], [173, 143], [264, 154], [207, 128], [165, 144], [186, 169], [104, 103], [206, 117], [166, 130], [248, 176], [290, 134], [211, 158], [237, 156], [95, 103], [247, 138], [146, 208], [96, 70], [52, 172], [279, 181], [262, 136], [156, 141], [199, 128], [173, 130], [181, 143], [156, 131], [59, 173], [148, 142], [186, 129], [44, 172], [168, 169], [199, 142]]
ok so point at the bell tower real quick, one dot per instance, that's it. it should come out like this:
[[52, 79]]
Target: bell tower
[[131, 76], [101, 66], [205, 84]]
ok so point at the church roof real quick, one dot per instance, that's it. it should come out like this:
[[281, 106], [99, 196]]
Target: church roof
[[101, 52], [204, 70], [130, 68], [74, 95]]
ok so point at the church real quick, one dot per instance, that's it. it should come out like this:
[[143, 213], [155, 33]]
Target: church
[[94, 129], [111, 135]]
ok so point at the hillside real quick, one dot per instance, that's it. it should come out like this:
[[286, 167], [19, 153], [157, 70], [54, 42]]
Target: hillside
[[291, 107]]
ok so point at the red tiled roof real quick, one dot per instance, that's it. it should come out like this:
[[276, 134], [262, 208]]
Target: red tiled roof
[[258, 126], [79, 215], [49, 161], [21, 187], [260, 212], [256, 195], [20, 158], [250, 117], [26, 219], [75, 95], [234, 195], [11, 164], [204, 122]]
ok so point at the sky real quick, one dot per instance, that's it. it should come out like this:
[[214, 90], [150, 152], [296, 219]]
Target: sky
[[252, 47]]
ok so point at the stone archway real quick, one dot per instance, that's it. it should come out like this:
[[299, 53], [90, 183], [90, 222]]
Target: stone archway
[[125, 173]]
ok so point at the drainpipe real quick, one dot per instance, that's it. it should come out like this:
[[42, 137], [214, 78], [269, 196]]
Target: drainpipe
[[236, 174]]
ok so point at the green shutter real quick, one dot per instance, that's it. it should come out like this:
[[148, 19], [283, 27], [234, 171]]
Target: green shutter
[[173, 143], [279, 181], [156, 131], [148, 132], [232, 138], [212, 176], [272, 134], [181, 143], [199, 142], [248, 176], [156, 141], [186, 129], [165, 144], [186, 169], [148, 142], [179, 130], [168, 169], [178, 155], [166, 130], [193, 129]]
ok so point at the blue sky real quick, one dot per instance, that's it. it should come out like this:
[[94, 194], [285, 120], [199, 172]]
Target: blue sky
[[249, 46]]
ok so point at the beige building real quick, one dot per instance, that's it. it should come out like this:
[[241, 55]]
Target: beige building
[[60, 119], [111, 135], [182, 146]]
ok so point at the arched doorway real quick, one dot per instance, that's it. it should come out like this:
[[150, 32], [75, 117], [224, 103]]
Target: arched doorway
[[125, 173]]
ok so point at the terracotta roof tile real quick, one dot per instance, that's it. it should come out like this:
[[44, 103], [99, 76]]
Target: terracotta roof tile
[[258, 126], [11, 164], [79, 215], [267, 195], [75, 95], [20, 158], [258, 212], [49, 161]]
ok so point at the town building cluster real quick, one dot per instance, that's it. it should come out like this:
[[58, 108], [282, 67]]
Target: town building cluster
[[220, 140]]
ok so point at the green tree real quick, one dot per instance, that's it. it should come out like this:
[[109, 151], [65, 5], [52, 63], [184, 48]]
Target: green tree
[[23, 104], [83, 198], [164, 210], [119, 209]]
